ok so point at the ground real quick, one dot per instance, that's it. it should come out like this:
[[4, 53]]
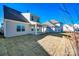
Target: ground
[[29, 45], [21, 45]]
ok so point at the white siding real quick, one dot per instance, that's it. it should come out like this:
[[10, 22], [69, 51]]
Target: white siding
[[27, 16], [10, 28], [67, 28], [43, 29]]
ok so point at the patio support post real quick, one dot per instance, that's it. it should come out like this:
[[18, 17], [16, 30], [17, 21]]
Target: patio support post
[[35, 29], [43, 29]]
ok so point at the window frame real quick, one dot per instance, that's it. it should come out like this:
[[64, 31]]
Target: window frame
[[23, 28], [18, 28]]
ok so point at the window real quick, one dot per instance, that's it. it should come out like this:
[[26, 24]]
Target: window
[[37, 29], [32, 18], [32, 29], [18, 28], [23, 28]]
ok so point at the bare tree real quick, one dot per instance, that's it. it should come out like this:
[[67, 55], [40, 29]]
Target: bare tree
[[67, 13]]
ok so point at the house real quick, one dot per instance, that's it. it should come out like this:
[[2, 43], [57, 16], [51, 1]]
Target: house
[[34, 21], [58, 25], [68, 28], [16, 23], [76, 26], [54, 26], [48, 26]]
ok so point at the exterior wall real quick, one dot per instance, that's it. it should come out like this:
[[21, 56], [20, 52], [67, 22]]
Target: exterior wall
[[34, 18], [27, 16], [76, 26], [44, 29], [67, 28], [10, 28], [54, 29], [40, 31], [58, 24], [58, 29]]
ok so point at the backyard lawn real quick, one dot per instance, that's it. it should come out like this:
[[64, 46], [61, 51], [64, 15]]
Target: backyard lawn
[[40, 45], [25, 45]]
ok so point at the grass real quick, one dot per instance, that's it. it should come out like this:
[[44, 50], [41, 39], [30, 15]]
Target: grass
[[25, 45]]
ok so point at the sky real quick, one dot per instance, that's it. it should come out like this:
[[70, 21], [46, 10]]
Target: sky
[[65, 13]]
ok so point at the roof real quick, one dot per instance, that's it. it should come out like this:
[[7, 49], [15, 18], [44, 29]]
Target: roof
[[13, 14], [30, 21], [48, 23], [53, 21], [69, 25]]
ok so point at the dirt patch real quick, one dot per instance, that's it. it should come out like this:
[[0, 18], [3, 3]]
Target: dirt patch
[[58, 46]]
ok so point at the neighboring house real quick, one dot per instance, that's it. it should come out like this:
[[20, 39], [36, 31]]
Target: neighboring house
[[48, 27], [54, 26], [58, 25], [17, 23], [68, 28], [76, 26]]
